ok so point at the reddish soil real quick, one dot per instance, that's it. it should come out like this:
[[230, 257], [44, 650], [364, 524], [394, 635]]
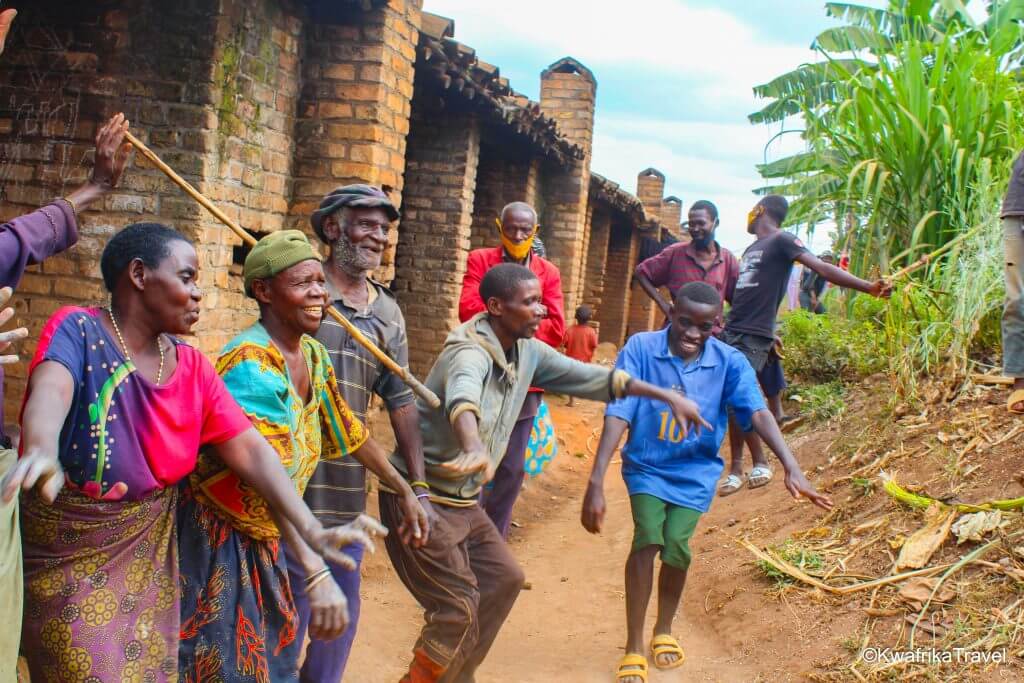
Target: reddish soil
[[734, 623], [570, 626]]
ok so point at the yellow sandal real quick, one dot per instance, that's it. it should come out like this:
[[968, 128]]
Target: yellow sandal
[[632, 665], [665, 644]]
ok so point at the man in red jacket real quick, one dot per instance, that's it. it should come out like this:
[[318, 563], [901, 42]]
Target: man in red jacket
[[517, 227]]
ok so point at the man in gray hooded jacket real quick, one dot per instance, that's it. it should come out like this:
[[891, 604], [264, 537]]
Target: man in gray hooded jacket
[[465, 577]]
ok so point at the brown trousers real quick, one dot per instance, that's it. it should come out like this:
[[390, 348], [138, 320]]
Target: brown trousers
[[465, 579]]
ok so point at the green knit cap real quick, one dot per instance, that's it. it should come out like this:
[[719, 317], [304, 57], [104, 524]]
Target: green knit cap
[[274, 253]]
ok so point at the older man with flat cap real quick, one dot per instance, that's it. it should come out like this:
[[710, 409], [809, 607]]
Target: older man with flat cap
[[353, 222]]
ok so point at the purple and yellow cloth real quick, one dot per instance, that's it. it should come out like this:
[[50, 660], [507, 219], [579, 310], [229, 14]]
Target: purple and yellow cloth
[[101, 573]]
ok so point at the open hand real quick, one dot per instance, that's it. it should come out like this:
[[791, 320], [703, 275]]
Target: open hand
[[798, 486], [415, 526], [469, 462], [686, 411], [594, 508], [111, 152], [6, 338], [328, 610], [36, 468], [329, 542]]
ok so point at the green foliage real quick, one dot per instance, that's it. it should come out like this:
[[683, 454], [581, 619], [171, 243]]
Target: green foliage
[[939, 322], [831, 347], [820, 401], [912, 107], [911, 121]]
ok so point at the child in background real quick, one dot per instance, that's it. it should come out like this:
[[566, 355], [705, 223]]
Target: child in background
[[581, 338]]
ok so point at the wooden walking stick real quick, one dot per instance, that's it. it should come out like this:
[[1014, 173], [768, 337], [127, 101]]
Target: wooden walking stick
[[422, 391]]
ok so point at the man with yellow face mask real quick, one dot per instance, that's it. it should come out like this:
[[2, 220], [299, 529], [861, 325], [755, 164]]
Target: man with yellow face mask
[[517, 229], [750, 325]]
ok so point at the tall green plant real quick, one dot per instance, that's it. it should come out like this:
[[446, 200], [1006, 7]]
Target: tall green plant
[[911, 108]]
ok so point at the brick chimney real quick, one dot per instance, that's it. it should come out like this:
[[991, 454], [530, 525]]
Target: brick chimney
[[672, 215], [567, 94], [650, 188]]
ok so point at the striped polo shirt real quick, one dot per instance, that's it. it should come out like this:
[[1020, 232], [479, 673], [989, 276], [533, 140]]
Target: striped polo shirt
[[336, 494]]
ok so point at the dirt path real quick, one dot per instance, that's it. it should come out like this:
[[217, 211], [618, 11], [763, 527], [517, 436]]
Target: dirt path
[[570, 626]]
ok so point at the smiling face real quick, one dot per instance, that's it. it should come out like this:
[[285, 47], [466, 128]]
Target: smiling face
[[692, 324], [521, 314], [358, 238], [702, 228], [170, 291], [294, 298]]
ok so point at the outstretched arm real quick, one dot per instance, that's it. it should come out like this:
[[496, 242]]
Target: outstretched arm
[[841, 278], [594, 506], [796, 482], [473, 456], [51, 389], [683, 409], [257, 463]]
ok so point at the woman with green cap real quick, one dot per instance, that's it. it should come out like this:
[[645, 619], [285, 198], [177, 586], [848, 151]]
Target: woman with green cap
[[238, 618]]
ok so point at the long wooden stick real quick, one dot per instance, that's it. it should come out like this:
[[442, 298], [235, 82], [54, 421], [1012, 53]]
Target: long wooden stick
[[928, 258], [422, 391]]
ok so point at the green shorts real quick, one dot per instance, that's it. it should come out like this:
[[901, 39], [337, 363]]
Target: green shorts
[[656, 522]]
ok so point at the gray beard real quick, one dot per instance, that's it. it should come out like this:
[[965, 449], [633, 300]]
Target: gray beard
[[347, 258]]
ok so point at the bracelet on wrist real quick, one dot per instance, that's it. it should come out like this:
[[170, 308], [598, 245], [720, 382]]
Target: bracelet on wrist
[[421, 496], [315, 576], [74, 209], [419, 484], [320, 578]]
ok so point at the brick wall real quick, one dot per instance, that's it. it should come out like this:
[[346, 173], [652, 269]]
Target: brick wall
[[353, 113], [440, 177], [67, 67], [567, 94], [672, 215], [257, 106], [254, 89], [650, 188], [612, 315], [503, 177], [597, 257]]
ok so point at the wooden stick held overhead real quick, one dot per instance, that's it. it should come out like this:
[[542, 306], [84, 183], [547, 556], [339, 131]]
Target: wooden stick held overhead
[[422, 391]]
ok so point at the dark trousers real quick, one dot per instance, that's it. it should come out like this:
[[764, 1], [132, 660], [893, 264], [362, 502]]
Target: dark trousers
[[499, 499], [465, 579], [326, 659]]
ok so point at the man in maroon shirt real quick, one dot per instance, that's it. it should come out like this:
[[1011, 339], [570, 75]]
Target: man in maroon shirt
[[700, 260], [518, 227]]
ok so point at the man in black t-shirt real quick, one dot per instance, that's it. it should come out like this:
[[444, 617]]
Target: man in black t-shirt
[[750, 327]]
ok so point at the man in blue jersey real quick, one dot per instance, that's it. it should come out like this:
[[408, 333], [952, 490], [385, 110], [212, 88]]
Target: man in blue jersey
[[671, 472]]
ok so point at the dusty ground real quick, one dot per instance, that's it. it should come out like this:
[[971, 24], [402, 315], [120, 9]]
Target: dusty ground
[[734, 623], [570, 626]]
